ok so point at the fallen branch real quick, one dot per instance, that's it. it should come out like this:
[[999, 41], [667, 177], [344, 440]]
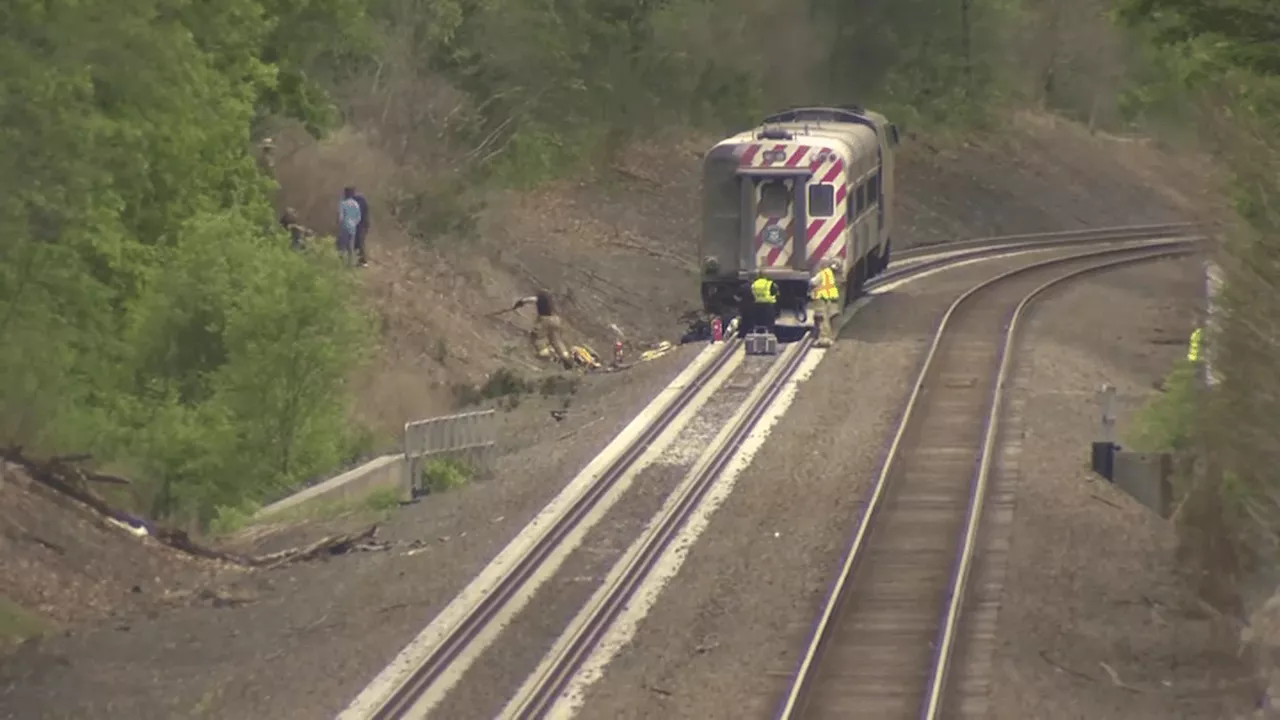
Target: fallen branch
[[53, 474], [1105, 501], [330, 545], [179, 540], [632, 174]]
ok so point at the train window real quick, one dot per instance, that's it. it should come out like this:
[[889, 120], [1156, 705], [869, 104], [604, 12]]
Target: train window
[[723, 197], [822, 201], [775, 199], [873, 188], [862, 198]]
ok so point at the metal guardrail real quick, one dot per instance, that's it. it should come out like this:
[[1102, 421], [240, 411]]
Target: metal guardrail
[[469, 437]]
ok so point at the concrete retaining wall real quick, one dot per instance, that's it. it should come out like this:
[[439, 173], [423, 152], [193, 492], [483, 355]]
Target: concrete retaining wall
[[389, 472]]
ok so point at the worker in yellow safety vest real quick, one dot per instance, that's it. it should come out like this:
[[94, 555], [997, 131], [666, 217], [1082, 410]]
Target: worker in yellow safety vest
[[826, 296], [764, 297], [1193, 348]]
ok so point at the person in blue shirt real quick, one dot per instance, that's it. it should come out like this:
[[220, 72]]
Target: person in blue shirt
[[348, 223]]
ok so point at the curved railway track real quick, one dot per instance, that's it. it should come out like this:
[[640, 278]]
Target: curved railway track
[[883, 643], [410, 688]]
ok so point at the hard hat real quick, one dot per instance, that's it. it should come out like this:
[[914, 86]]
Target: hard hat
[[833, 263], [267, 143]]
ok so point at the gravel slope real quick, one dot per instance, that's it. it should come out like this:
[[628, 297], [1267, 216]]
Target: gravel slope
[[1090, 582], [311, 636]]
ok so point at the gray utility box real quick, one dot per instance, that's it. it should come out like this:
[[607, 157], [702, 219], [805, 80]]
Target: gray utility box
[[761, 343]]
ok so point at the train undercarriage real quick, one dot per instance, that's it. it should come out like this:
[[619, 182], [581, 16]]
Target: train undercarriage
[[730, 297]]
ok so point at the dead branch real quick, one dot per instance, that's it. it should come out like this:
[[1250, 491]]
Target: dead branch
[[655, 252], [56, 474], [179, 540], [330, 545], [632, 174]]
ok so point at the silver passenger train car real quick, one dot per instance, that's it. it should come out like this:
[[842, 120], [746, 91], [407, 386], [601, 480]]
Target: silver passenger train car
[[807, 185]]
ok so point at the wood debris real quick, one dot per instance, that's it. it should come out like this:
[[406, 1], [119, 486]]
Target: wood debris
[[64, 475]]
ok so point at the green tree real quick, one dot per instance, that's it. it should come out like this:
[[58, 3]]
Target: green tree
[[136, 286], [1228, 53], [1244, 32]]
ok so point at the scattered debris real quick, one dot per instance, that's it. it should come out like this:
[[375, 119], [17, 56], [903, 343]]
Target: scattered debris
[[1044, 655], [64, 475], [1105, 501], [326, 546], [1115, 678], [585, 357], [700, 329], [660, 691], [577, 430], [658, 351], [134, 531]]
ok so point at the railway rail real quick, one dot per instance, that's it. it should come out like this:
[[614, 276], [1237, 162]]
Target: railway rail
[[883, 643], [539, 695], [410, 688]]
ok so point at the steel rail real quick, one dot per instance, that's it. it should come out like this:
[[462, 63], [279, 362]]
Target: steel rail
[[541, 696], [460, 637], [803, 678], [947, 635], [918, 259], [1117, 232]]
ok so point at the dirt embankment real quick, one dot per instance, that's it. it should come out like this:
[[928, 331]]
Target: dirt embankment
[[619, 249]]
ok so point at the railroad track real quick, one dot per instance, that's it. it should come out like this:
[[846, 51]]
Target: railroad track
[[883, 643], [537, 697], [414, 683]]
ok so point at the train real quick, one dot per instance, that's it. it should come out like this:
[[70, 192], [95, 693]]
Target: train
[[806, 185]]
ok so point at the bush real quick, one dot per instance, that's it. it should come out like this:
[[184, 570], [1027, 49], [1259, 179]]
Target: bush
[[445, 474], [504, 385], [1167, 422], [234, 385]]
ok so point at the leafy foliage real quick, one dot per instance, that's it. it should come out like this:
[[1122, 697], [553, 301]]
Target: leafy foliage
[[147, 316], [1245, 32], [1226, 54]]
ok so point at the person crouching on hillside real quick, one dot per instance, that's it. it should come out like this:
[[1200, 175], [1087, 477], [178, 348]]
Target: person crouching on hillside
[[545, 334], [298, 233]]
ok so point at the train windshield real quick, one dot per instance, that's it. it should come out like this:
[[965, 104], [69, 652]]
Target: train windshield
[[775, 199]]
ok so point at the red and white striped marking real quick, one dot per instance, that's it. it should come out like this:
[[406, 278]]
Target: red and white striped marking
[[824, 237]]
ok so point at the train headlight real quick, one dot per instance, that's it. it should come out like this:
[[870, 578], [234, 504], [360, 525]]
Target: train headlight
[[710, 265]]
